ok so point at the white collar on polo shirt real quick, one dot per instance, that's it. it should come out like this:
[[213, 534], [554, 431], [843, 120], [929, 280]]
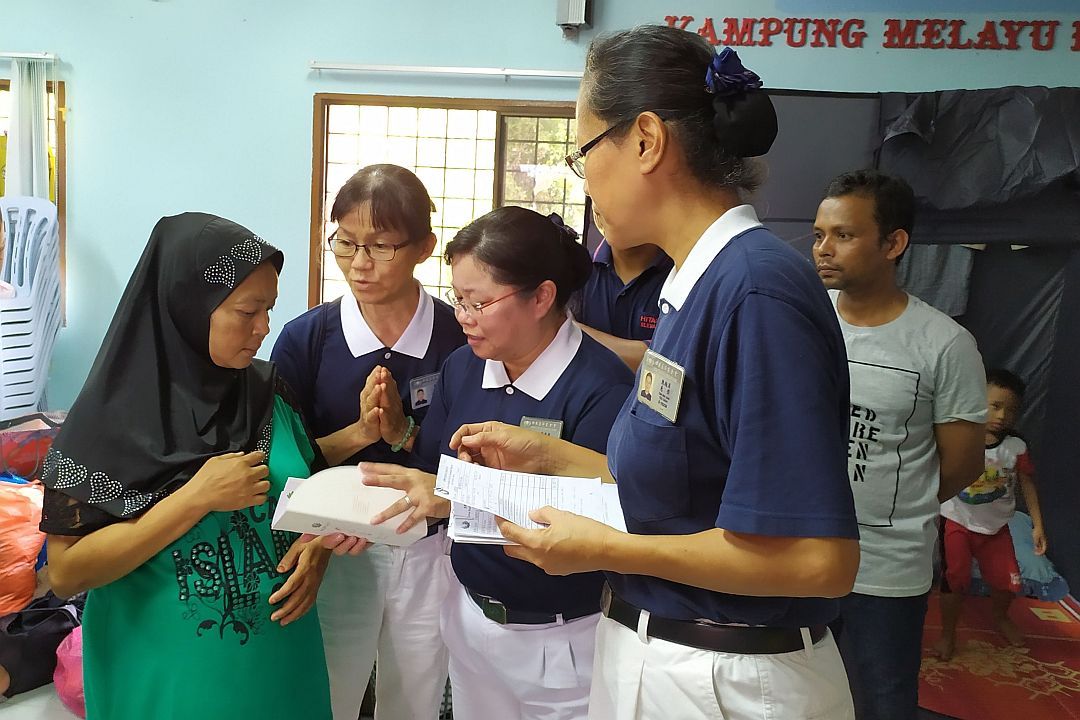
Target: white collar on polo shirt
[[413, 342], [680, 282], [546, 369]]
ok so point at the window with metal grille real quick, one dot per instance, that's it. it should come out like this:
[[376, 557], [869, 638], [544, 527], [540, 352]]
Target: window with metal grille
[[472, 155]]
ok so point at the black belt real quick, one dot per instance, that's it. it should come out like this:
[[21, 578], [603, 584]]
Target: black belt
[[497, 612], [433, 528], [705, 636]]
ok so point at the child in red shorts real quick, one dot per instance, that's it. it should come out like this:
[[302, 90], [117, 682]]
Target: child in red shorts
[[977, 520]]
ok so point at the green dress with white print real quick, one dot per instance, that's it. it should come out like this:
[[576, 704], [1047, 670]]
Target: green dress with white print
[[188, 634]]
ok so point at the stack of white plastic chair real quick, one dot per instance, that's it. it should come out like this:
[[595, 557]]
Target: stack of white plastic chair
[[30, 320]]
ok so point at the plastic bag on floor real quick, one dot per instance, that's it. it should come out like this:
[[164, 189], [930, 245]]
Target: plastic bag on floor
[[68, 676], [30, 637], [20, 544], [24, 441]]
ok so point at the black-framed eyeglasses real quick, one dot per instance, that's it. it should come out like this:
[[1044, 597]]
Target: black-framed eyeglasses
[[474, 309], [576, 159], [383, 252]]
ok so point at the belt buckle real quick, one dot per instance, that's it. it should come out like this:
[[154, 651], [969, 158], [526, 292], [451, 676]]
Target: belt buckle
[[495, 611]]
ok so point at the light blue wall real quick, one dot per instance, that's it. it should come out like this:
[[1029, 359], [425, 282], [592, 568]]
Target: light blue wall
[[207, 104]]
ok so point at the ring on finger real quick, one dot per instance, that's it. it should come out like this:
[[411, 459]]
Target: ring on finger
[[408, 501]]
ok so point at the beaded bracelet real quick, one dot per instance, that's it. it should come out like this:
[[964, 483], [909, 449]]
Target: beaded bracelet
[[396, 447]]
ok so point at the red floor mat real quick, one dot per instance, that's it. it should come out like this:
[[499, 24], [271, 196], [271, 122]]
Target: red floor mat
[[988, 680]]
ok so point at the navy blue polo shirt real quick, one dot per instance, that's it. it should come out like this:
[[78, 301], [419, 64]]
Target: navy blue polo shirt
[[576, 380], [625, 310], [760, 441], [326, 355]]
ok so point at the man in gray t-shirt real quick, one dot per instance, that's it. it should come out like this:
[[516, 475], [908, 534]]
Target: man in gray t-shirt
[[918, 403]]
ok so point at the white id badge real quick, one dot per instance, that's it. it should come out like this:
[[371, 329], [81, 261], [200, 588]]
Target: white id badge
[[660, 384], [552, 428], [420, 389]]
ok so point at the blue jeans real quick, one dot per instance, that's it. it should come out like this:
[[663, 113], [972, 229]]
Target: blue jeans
[[880, 640]]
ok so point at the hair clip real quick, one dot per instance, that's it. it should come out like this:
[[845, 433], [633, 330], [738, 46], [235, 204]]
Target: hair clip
[[557, 221], [727, 76]]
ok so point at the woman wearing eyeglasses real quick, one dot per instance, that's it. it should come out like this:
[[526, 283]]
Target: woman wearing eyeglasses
[[521, 641], [363, 368]]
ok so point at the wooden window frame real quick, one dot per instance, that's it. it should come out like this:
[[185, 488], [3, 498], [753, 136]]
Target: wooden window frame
[[319, 137]]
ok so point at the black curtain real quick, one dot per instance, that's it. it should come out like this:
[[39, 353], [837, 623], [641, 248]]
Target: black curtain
[[1001, 167], [1014, 299], [1059, 457]]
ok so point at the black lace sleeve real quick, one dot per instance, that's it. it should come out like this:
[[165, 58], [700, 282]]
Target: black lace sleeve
[[64, 515], [285, 392]]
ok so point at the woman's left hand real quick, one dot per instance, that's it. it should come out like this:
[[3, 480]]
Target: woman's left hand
[[419, 488], [569, 544], [300, 590]]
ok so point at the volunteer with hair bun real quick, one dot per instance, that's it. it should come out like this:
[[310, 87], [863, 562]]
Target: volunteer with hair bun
[[732, 471]]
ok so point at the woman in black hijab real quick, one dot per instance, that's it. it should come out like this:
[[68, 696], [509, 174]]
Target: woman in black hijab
[[161, 486]]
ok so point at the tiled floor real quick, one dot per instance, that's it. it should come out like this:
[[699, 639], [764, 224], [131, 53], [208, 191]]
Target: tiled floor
[[40, 704]]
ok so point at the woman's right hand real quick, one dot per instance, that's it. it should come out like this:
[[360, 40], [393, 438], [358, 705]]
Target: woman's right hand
[[504, 447], [232, 481], [392, 421]]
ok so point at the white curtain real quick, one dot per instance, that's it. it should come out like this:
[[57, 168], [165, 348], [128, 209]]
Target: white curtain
[[28, 136]]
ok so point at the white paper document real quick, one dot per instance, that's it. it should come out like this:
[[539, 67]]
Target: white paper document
[[469, 525], [337, 501], [478, 493]]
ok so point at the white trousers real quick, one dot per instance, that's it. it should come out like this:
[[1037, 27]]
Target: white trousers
[[385, 602], [516, 672], [637, 680]]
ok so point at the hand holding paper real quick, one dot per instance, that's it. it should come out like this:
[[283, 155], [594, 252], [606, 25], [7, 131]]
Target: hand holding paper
[[479, 493], [498, 445], [565, 543]]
